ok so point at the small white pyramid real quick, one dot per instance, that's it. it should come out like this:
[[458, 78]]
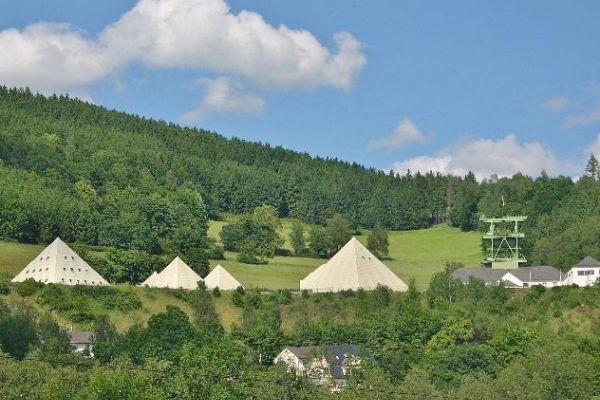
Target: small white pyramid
[[353, 267], [177, 275], [150, 281], [219, 277], [57, 263]]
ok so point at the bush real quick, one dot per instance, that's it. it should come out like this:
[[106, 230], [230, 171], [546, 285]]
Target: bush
[[79, 316], [305, 294], [216, 253], [28, 287], [284, 296], [248, 255], [240, 290], [4, 288], [216, 292], [237, 299], [197, 259]]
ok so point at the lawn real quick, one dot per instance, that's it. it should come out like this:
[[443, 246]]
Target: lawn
[[413, 254]]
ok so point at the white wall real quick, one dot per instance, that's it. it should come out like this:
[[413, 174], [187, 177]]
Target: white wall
[[582, 276]]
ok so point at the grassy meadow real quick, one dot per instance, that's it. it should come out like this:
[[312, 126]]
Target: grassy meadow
[[413, 254]]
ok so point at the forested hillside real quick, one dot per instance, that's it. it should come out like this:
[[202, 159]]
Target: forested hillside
[[101, 177]]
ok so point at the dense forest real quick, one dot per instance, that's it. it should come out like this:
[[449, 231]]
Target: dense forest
[[106, 178], [452, 342]]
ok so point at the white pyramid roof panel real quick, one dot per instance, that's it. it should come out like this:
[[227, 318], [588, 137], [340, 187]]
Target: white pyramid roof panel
[[177, 275], [221, 278], [57, 263], [353, 267]]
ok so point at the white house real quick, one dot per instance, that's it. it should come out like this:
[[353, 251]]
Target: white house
[[323, 365], [584, 273], [523, 277], [82, 342], [515, 278]]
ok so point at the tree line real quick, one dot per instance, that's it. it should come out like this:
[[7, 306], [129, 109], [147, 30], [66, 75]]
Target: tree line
[[106, 178]]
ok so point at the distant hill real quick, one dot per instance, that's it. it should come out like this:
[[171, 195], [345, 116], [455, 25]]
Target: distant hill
[[102, 177]]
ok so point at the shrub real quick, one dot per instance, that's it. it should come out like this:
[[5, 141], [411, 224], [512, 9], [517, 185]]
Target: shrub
[[216, 253], [79, 316], [28, 287], [237, 298], [216, 292], [305, 294], [284, 296], [240, 290], [4, 288]]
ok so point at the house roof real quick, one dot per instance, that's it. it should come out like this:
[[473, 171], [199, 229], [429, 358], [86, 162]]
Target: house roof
[[485, 274], [588, 262], [81, 337], [353, 267], [537, 274], [57, 263]]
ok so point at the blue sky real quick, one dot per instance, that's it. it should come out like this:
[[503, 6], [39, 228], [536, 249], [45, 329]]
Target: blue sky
[[493, 87]]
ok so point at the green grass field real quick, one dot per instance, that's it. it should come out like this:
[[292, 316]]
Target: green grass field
[[413, 254]]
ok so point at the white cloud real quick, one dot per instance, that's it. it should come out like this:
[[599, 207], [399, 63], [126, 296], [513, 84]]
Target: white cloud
[[404, 133], [557, 104], [594, 147], [224, 96], [51, 57], [196, 34], [485, 157], [583, 119]]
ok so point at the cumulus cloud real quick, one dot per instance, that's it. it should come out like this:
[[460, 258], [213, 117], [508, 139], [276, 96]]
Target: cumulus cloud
[[52, 57], [583, 119], [196, 34], [405, 132], [557, 104], [594, 147], [485, 157], [224, 96]]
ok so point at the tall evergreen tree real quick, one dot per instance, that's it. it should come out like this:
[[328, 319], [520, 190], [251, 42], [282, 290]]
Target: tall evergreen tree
[[592, 168]]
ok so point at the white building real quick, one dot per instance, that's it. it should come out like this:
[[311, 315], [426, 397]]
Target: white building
[[176, 275], [353, 267], [514, 278], [584, 273], [57, 263], [324, 365], [82, 342], [221, 278]]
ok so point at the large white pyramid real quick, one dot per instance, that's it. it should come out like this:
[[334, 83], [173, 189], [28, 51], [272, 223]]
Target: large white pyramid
[[57, 263], [177, 275], [353, 267], [219, 277]]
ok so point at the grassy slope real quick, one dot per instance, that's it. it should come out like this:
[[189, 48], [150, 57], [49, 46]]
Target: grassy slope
[[413, 254]]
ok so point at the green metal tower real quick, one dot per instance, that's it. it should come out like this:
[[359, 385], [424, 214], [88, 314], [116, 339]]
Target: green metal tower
[[504, 235]]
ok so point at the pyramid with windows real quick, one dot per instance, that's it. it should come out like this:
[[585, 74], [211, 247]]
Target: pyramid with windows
[[177, 275], [57, 263], [219, 277], [353, 267]]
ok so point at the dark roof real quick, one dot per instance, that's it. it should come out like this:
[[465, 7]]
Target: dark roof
[[537, 274], [485, 274], [334, 351], [80, 337], [336, 354], [588, 262]]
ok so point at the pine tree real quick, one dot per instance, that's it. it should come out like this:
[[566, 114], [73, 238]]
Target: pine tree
[[592, 168]]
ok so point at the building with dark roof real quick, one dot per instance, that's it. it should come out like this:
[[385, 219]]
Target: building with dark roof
[[512, 278], [323, 365]]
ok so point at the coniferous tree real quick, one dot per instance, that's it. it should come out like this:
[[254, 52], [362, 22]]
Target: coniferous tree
[[592, 168]]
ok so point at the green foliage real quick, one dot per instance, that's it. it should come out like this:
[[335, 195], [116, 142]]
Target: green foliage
[[338, 231], [297, 238], [197, 259], [377, 241], [28, 287]]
